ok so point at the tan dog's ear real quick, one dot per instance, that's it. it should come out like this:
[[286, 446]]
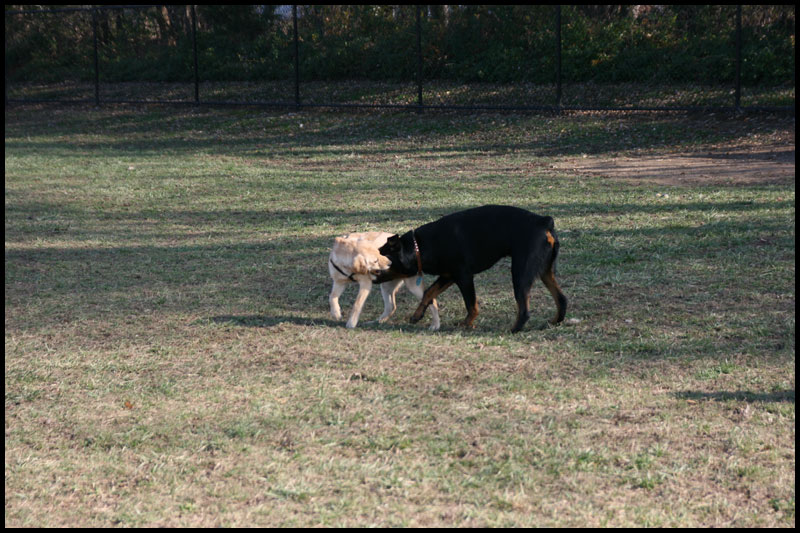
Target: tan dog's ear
[[360, 265]]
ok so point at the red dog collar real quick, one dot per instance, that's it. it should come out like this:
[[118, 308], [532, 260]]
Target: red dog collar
[[419, 258]]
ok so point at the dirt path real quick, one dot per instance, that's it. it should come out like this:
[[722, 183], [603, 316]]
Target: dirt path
[[731, 165]]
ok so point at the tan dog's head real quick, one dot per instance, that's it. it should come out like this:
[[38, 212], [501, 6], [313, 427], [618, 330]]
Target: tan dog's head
[[368, 260], [361, 256]]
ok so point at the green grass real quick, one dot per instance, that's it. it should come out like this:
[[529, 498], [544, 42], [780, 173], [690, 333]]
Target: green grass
[[170, 358]]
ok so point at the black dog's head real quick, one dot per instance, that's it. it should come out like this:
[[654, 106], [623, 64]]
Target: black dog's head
[[393, 246], [397, 250]]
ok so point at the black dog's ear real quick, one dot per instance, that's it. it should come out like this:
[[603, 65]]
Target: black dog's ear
[[393, 241], [392, 245]]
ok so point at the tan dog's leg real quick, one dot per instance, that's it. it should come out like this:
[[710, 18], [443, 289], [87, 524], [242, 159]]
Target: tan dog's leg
[[336, 291], [364, 286], [435, 323], [388, 291], [418, 291]]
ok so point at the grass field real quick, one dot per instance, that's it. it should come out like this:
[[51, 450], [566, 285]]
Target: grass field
[[170, 359]]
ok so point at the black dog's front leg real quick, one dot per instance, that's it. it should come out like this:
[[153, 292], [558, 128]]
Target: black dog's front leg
[[432, 292]]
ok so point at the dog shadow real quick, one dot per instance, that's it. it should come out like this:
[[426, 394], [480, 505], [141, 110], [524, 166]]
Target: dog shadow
[[267, 321]]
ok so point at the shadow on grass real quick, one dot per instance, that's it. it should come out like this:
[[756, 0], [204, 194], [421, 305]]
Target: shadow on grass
[[396, 323], [130, 131], [265, 321], [25, 218], [744, 396]]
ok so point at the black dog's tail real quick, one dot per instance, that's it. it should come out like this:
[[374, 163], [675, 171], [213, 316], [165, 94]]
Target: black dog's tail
[[549, 275]]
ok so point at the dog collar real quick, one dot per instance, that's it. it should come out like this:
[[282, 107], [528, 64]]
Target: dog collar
[[419, 258], [350, 277]]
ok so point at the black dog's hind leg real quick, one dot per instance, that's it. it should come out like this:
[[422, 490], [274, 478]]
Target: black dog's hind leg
[[549, 280], [523, 272], [523, 298]]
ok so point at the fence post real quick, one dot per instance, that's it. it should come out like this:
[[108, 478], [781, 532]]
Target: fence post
[[296, 60], [419, 59], [96, 60], [194, 44], [6, 65], [558, 57], [738, 98]]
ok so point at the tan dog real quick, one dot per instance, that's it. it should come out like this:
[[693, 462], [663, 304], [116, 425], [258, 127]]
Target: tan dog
[[355, 258]]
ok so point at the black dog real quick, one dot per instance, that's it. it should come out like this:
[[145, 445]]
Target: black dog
[[460, 245]]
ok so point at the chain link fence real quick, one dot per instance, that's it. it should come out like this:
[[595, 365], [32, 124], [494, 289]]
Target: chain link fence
[[611, 57]]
